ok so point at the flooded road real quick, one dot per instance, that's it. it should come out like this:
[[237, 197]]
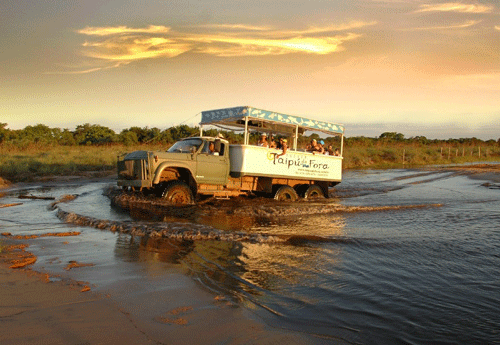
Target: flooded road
[[396, 256]]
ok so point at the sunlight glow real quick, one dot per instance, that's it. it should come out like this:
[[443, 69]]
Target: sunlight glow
[[456, 7]]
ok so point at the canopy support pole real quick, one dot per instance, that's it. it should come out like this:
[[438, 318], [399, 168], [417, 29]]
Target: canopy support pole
[[296, 138], [245, 141], [342, 145]]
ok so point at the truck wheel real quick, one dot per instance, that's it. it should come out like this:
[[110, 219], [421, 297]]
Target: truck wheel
[[286, 193], [314, 192], [177, 193]]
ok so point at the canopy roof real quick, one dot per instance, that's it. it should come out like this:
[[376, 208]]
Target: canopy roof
[[262, 120]]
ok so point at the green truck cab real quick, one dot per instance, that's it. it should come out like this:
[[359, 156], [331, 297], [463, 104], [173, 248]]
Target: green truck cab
[[177, 173]]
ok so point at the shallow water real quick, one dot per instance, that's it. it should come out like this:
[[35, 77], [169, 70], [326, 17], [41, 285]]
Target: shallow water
[[401, 275]]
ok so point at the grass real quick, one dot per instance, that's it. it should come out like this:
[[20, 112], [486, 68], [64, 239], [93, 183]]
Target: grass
[[391, 155], [25, 164]]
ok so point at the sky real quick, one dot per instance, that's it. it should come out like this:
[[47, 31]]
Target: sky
[[417, 67]]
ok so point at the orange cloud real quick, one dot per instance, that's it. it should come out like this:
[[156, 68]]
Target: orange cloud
[[455, 7], [128, 44], [467, 24], [116, 30]]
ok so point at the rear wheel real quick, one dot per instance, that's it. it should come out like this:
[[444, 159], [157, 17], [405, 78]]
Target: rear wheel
[[177, 193], [314, 192], [286, 193]]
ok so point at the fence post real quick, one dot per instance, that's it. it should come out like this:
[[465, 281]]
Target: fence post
[[404, 151], [479, 152], [449, 152]]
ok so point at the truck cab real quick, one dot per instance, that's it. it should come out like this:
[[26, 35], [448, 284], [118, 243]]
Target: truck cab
[[186, 165]]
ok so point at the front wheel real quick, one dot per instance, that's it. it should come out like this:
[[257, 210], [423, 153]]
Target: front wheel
[[286, 193], [177, 193]]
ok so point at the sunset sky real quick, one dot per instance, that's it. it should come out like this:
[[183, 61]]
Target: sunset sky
[[416, 67]]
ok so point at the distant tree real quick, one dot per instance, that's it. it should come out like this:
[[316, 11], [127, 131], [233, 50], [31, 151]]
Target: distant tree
[[39, 134], [4, 132], [420, 139], [66, 138], [94, 134], [392, 136], [128, 137]]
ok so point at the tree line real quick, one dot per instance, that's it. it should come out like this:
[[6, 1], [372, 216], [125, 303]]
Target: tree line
[[87, 134]]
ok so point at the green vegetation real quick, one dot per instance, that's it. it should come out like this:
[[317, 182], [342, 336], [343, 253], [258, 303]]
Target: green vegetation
[[37, 151]]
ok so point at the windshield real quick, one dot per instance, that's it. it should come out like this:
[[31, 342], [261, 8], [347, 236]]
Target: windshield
[[186, 146]]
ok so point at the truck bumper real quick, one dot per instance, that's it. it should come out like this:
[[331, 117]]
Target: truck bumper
[[134, 183]]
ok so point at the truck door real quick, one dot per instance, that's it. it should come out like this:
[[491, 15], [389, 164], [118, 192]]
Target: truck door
[[212, 168]]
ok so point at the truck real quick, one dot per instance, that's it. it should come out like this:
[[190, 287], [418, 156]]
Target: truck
[[201, 166]]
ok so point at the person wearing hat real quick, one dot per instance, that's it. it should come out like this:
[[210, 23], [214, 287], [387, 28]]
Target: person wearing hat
[[314, 147], [282, 145], [263, 140], [321, 147]]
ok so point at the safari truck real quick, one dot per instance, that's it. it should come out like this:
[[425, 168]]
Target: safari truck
[[211, 166]]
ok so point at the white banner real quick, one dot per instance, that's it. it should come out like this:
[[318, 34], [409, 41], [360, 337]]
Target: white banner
[[262, 161]]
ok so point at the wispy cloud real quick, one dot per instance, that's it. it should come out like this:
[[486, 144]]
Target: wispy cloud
[[125, 44], [467, 24], [79, 70], [455, 7], [116, 30]]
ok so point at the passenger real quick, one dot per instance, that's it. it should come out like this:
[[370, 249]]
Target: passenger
[[283, 146], [211, 149], [337, 152], [322, 148], [263, 140], [329, 151], [272, 143], [313, 147]]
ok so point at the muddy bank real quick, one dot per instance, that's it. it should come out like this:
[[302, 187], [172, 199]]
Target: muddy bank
[[4, 183]]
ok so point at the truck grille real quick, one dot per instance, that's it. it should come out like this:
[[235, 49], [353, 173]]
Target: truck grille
[[132, 169]]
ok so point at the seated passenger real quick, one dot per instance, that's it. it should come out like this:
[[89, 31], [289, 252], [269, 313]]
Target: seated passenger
[[314, 147], [272, 143], [283, 146], [337, 152], [263, 140], [329, 151], [211, 149]]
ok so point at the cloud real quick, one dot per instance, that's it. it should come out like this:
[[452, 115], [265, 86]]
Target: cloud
[[464, 25], [115, 30], [125, 44], [455, 7], [497, 27]]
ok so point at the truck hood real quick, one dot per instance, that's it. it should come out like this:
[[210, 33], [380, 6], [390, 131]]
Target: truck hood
[[136, 155]]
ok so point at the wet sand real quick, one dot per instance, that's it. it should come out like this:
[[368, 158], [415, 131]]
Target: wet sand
[[38, 309]]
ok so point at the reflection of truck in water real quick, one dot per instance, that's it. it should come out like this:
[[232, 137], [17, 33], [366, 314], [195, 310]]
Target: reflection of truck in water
[[211, 166]]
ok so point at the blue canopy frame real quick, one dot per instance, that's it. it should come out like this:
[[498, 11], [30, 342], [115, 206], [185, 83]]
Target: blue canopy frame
[[255, 119], [230, 115]]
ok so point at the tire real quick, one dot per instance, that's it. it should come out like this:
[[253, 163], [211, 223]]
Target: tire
[[286, 193], [314, 192], [177, 193]]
